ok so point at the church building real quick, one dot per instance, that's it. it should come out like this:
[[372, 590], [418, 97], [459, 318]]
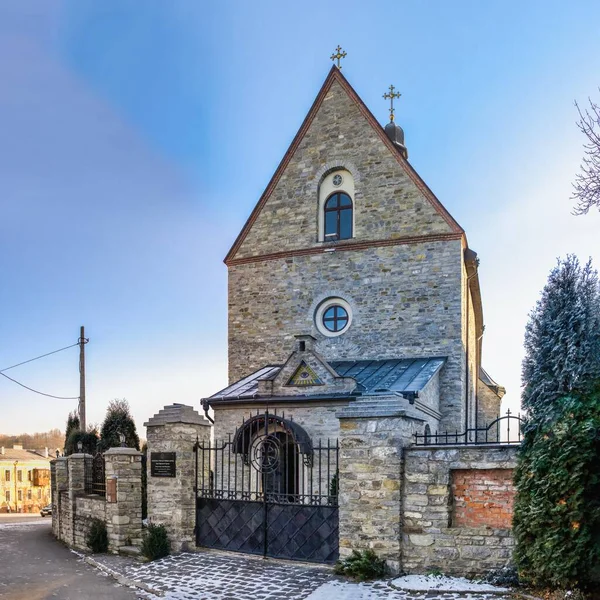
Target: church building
[[352, 288], [355, 330]]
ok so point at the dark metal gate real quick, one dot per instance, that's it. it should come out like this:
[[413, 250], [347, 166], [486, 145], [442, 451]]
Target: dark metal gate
[[269, 491]]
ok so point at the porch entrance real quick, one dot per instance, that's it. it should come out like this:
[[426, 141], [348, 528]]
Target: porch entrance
[[269, 491]]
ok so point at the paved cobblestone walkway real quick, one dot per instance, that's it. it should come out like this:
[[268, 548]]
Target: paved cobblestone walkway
[[216, 576]]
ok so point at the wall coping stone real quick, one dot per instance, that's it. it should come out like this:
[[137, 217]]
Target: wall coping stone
[[177, 413], [461, 446], [124, 451]]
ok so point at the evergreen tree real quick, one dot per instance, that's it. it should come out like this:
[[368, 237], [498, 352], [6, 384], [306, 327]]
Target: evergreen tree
[[556, 518], [118, 420], [88, 439], [73, 424], [562, 339]]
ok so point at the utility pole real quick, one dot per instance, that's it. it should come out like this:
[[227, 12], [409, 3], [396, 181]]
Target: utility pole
[[82, 342]]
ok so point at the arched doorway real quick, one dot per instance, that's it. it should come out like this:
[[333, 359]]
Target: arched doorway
[[267, 490], [279, 467]]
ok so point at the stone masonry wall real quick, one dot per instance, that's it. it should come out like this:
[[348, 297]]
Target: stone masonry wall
[[172, 500], [388, 204], [370, 485], [318, 420], [489, 404], [86, 509], [482, 497], [429, 538], [124, 517], [406, 302], [73, 510]]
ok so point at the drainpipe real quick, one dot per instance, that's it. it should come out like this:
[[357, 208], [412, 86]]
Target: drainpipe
[[476, 393], [470, 261], [467, 357], [206, 406]]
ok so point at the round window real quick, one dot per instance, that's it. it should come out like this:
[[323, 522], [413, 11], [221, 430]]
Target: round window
[[333, 317]]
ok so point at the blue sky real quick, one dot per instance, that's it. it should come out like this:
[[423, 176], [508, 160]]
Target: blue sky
[[137, 137]]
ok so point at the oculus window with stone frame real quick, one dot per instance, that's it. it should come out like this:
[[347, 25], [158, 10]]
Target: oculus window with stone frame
[[333, 317]]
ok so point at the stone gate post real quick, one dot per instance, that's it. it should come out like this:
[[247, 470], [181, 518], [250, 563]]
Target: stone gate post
[[171, 435], [60, 483], [76, 483], [370, 482], [124, 516]]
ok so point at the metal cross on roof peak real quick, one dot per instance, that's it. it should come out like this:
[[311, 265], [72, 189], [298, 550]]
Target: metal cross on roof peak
[[390, 96], [338, 55]]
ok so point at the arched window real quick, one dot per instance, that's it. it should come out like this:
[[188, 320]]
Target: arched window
[[338, 217], [336, 212]]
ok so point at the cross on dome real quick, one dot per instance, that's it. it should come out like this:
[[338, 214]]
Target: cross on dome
[[390, 96]]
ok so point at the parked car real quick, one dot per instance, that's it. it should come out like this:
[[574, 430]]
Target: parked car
[[46, 511]]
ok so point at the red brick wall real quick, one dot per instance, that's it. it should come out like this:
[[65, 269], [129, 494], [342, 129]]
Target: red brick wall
[[482, 497]]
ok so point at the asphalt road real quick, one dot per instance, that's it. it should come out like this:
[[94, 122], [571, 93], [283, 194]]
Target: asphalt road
[[34, 566]]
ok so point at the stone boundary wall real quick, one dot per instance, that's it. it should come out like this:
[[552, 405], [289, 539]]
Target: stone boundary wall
[[429, 539], [73, 509], [86, 509]]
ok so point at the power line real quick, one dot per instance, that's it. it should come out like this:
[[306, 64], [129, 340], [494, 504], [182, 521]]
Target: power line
[[38, 357], [36, 391]]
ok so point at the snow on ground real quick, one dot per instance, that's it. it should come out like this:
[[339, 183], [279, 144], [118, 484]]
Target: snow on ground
[[24, 525], [441, 583], [344, 590]]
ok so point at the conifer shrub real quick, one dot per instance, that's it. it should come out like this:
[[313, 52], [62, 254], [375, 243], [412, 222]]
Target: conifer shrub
[[557, 505], [362, 565], [97, 537], [156, 542]]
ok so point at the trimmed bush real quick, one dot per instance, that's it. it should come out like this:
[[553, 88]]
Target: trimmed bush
[[557, 505], [156, 542], [363, 565], [97, 537]]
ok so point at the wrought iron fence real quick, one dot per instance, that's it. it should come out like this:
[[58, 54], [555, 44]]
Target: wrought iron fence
[[504, 430], [95, 475], [269, 459]]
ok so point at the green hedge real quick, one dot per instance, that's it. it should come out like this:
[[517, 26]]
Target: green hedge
[[97, 537], [557, 505], [156, 542]]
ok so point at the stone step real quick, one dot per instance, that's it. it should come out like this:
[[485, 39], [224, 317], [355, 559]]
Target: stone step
[[130, 551]]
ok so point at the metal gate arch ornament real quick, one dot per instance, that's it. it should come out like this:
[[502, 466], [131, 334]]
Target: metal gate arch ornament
[[269, 491]]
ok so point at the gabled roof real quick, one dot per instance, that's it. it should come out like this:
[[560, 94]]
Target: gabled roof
[[401, 375], [12, 454], [335, 75]]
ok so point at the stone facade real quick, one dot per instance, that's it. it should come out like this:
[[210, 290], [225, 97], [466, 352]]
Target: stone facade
[[406, 301], [172, 500], [388, 203], [403, 272], [430, 540], [489, 404]]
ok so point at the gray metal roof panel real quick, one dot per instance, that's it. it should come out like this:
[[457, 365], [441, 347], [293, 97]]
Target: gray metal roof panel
[[372, 376]]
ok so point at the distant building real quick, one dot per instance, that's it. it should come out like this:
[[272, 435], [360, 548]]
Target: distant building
[[24, 479]]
